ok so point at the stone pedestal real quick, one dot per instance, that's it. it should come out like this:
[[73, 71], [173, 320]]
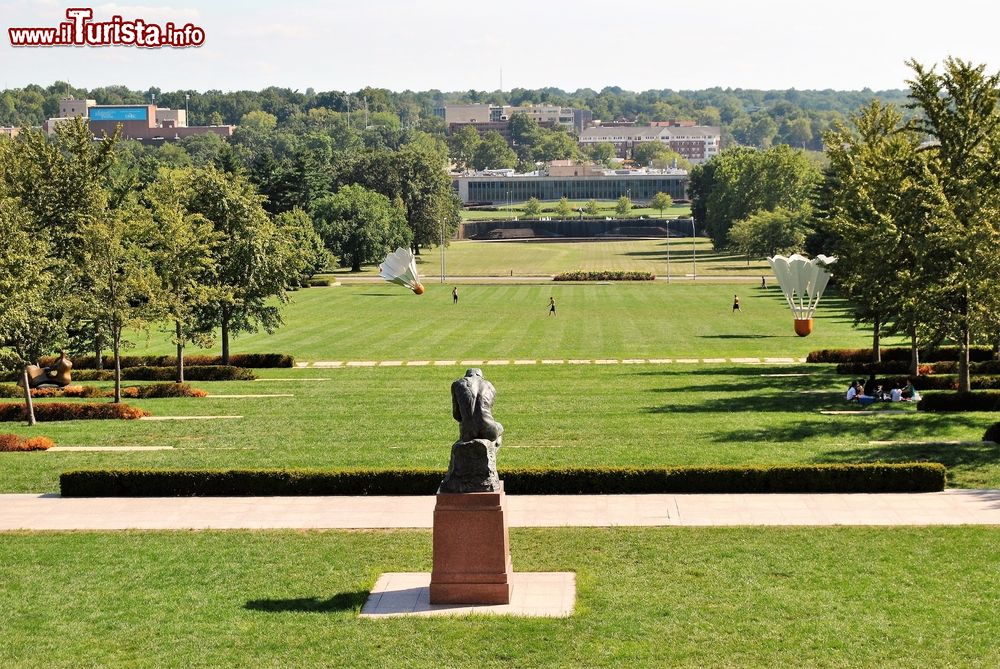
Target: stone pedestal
[[471, 549]]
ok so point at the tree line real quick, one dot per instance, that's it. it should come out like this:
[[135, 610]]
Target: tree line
[[105, 236], [908, 200]]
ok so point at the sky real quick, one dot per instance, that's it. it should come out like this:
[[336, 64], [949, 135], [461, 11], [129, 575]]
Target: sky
[[454, 45]]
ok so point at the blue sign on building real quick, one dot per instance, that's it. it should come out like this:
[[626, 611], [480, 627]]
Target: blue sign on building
[[119, 113]]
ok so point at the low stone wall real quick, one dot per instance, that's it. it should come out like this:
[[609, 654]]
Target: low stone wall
[[541, 229]]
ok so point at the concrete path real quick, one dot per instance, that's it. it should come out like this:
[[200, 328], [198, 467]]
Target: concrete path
[[51, 512], [342, 364]]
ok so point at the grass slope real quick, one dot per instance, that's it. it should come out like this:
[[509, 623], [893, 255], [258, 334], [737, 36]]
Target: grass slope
[[646, 320], [554, 415], [533, 258], [745, 597]]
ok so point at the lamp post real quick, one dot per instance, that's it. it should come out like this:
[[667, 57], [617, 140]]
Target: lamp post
[[694, 250], [187, 97], [442, 252]]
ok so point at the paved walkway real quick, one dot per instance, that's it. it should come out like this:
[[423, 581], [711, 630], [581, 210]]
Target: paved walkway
[[341, 364], [51, 512]]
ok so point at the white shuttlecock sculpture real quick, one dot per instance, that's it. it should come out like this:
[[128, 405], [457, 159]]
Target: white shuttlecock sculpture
[[803, 282], [400, 267]]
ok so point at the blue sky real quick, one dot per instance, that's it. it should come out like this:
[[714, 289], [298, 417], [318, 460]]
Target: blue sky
[[451, 45]]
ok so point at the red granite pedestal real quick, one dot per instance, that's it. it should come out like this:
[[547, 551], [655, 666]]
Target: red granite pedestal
[[471, 549]]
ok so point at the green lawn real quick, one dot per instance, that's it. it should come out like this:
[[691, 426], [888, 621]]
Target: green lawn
[[469, 258], [637, 320], [557, 415], [677, 597]]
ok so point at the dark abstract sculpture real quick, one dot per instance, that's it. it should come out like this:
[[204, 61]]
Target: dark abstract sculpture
[[473, 466], [56, 375]]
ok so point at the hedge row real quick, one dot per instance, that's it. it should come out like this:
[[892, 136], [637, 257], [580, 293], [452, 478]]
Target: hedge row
[[250, 360], [984, 400], [841, 478], [55, 411], [14, 443], [898, 354], [992, 433], [616, 275], [193, 373], [950, 382], [899, 367], [145, 392]]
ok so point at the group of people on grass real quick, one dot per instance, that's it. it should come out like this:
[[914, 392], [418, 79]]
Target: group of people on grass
[[866, 392]]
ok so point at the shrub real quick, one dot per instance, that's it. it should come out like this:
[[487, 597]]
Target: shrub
[[10, 390], [898, 354], [984, 400], [56, 411], [158, 390], [873, 477], [616, 275], [193, 373], [992, 433], [316, 282], [12, 442], [258, 360]]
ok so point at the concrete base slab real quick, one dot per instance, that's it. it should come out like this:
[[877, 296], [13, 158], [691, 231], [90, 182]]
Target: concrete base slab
[[533, 594], [108, 449], [159, 418]]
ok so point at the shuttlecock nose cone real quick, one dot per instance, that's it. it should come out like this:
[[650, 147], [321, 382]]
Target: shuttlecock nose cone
[[419, 289]]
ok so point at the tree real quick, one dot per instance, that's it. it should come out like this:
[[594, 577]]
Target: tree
[[564, 209], [254, 260], [360, 226], [644, 153], [311, 255], [601, 152], [493, 153], [555, 145], [960, 113], [181, 246], [624, 206], [462, 146], [532, 208], [592, 208], [870, 209], [122, 277], [26, 327], [741, 181], [768, 233], [661, 201], [259, 120]]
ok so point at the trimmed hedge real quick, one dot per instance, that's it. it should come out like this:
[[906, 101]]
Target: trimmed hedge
[[898, 354], [14, 443], [250, 360], [835, 478], [56, 411], [950, 382], [193, 373], [155, 390], [899, 367], [616, 275], [984, 400], [992, 433]]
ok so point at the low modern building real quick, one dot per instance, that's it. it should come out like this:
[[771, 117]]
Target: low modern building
[[10, 131], [582, 182], [491, 117], [145, 123], [696, 143]]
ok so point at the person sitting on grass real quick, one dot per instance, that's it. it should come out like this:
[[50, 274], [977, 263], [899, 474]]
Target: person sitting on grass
[[910, 393], [854, 392]]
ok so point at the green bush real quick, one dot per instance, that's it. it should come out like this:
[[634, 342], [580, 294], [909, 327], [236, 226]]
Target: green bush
[[992, 433], [984, 400], [251, 360], [898, 354], [899, 367], [193, 373], [842, 478], [316, 282], [616, 275], [56, 411]]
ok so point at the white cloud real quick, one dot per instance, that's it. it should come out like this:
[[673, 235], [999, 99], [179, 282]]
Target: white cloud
[[147, 12]]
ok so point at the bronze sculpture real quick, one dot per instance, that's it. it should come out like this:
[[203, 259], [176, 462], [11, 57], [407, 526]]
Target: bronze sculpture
[[473, 465], [59, 374]]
